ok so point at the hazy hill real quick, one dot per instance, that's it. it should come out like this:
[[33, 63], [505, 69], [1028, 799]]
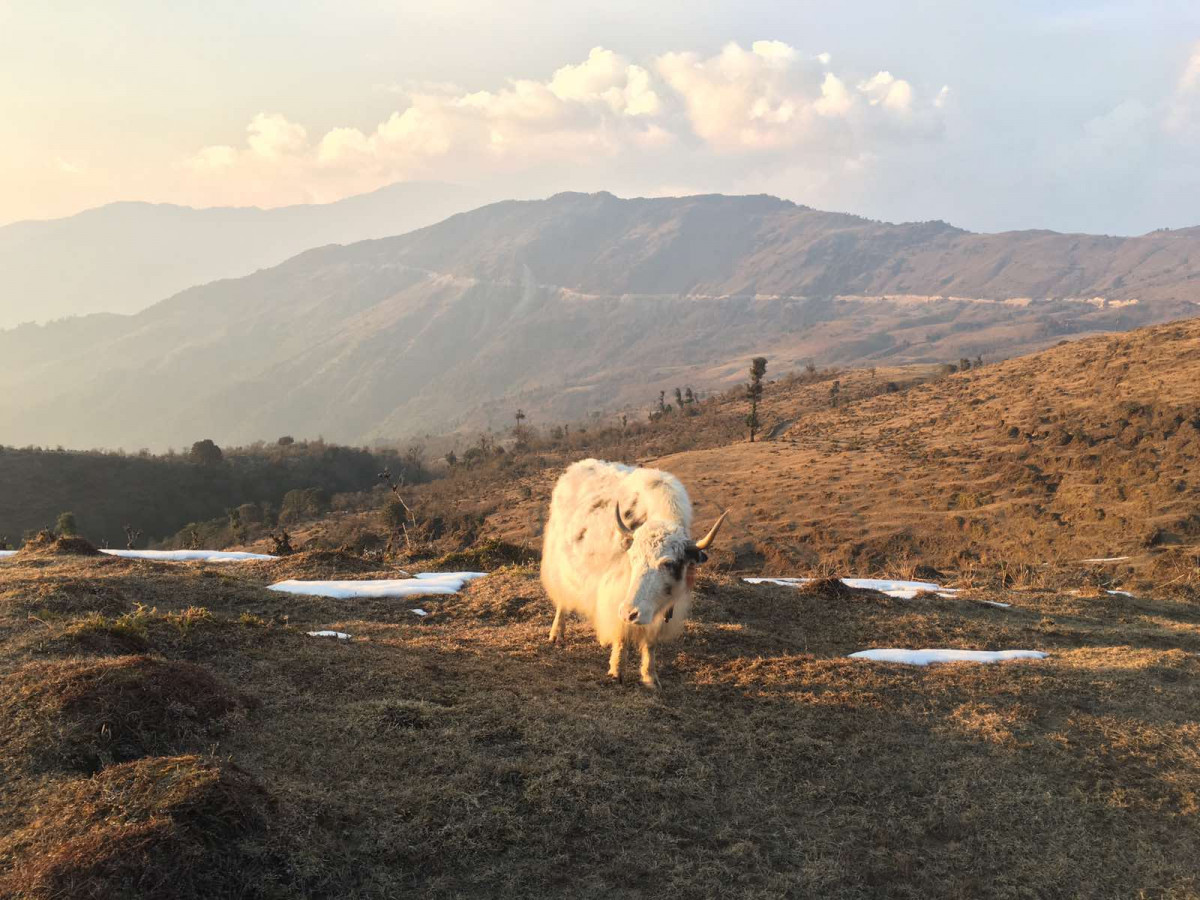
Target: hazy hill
[[564, 306], [124, 256]]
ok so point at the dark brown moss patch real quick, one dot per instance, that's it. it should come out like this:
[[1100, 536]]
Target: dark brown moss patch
[[82, 715], [178, 827], [485, 557], [835, 589], [47, 543], [324, 564]]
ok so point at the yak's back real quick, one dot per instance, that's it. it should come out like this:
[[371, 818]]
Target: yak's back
[[582, 523]]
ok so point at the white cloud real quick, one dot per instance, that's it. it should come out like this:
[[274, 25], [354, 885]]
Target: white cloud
[[835, 99], [273, 136], [1183, 110], [679, 109], [884, 89], [214, 158], [606, 77]]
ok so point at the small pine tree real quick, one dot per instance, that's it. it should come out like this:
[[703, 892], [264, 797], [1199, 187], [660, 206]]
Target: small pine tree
[[66, 525], [452, 459], [964, 364], [519, 430], [679, 398], [835, 393], [754, 391]]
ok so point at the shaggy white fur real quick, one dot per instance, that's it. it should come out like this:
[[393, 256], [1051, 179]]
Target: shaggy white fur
[[635, 588]]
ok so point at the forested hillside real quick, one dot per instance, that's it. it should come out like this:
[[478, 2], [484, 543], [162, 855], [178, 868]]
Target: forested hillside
[[158, 495]]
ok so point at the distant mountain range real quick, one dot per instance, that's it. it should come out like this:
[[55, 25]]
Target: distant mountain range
[[565, 306], [125, 256]]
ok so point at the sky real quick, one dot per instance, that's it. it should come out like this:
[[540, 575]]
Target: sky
[[990, 115]]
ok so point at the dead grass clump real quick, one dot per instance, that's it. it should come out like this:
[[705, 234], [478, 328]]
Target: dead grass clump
[[96, 635], [322, 564], [180, 827], [486, 556], [834, 589], [47, 543], [503, 597], [74, 597], [86, 714]]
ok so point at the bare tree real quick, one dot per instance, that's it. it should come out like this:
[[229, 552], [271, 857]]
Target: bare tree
[[131, 536]]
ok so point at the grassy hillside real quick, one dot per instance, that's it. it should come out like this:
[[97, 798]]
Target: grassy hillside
[[1087, 450]]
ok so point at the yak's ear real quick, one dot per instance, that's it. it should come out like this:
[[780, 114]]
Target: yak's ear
[[696, 555]]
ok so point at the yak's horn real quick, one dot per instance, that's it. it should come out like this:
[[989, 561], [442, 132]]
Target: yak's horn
[[625, 529], [704, 542]]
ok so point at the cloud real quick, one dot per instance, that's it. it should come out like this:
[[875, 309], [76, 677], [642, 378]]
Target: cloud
[[884, 89], [674, 111], [1183, 109], [273, 136]]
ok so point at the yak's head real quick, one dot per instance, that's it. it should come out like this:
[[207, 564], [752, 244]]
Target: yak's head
[[663, 560]]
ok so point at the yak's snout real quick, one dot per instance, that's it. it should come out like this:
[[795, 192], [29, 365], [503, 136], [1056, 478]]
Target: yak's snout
[[634, 616]]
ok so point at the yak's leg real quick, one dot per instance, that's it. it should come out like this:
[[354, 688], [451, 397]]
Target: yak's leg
[[614, 660], [649, 666], [558, 630]]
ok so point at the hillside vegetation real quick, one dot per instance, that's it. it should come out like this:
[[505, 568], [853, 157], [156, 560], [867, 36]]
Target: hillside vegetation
[[567, 306], [160, 495]]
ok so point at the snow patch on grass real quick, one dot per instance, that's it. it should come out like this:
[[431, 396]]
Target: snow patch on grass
[[189, 555], [422, 585], [926, 657], [5, 554], [1106, 559], [340, 635], [996, 603], [904, 590]]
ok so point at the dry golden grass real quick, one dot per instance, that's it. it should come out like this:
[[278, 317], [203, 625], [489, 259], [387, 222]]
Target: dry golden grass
[[461, 755], [165, 827]]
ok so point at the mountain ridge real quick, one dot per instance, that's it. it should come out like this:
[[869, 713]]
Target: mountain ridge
[[567, 306], [123, 256]]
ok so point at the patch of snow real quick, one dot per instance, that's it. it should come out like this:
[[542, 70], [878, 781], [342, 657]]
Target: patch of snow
[[1107, 559], [1119, 593], [996, 603], [189, 555], [424, 584], [340, 635], [420, 612], [925, 657], [904, 590], [5, 554]]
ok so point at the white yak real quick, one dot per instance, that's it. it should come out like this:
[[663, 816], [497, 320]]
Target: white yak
[[618, 551]]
